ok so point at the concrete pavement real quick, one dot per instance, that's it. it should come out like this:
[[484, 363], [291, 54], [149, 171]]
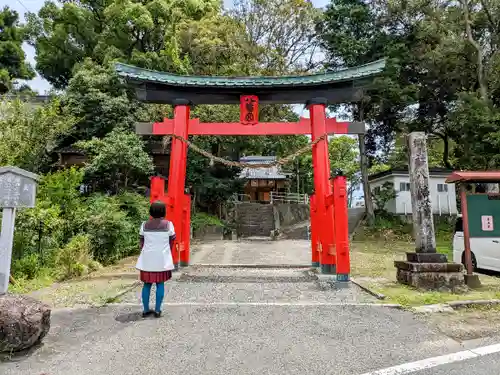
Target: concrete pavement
[[245, 321]]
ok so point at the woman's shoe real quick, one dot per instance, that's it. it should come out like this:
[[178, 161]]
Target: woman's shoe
[[145, 314], [157, 314]]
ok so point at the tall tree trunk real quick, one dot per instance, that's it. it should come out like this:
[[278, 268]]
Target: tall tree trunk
[[483, 85], [370, 212]]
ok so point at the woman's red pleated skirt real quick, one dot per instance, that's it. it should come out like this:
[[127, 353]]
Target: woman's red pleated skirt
[[155, 277]]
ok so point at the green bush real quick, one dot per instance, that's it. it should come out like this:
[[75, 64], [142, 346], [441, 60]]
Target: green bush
[[112, 234], [27, 267], [75, 258], [45, 234], [135, 205], [201, 220]]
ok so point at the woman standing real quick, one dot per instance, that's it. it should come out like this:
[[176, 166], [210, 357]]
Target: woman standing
[[155, 262]]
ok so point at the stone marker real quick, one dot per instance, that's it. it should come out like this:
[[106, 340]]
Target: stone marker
[[17, 189], [24, 321], [425, 268]]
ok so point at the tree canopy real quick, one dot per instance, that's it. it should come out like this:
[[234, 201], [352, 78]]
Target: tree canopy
[[12, 57]]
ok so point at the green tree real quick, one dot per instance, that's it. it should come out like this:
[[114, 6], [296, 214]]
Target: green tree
[[282, 31], [28, 136], [170, 35], [437, 53], [99, 101], [117, 161], [344, 156], [13, 63]]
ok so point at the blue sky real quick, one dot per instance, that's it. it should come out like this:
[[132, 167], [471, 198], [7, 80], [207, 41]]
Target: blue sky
[[22, 6]]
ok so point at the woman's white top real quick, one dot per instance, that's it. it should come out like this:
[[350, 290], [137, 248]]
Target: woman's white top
[[155, 254]]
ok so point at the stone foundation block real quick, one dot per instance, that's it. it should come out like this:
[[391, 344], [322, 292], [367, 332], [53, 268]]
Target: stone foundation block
[[431, 276]]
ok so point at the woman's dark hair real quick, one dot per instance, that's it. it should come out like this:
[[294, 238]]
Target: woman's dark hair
[[157, 210]]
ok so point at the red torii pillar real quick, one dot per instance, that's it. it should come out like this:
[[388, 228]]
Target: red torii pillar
[[157, 191], [177, 180], [315, 254], [339, 184], [322, 187]]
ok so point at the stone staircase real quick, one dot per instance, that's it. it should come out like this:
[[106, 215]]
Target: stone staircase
[[254, 220], [355, 217]]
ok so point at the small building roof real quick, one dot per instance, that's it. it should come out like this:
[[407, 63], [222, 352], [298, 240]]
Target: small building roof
[[404, 171], [271, 173], [474, 176]]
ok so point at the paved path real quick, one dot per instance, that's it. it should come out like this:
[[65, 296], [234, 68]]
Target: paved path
[[253, 252], [241, 320]]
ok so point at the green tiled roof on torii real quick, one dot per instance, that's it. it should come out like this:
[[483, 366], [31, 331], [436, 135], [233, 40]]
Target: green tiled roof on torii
[[350, 74]]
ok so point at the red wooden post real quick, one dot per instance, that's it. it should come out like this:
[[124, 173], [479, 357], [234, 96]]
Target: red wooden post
[[465, 224], [157, 191], [341, 227], [314, 232], [177, 176], [186, 230], [323, 189]]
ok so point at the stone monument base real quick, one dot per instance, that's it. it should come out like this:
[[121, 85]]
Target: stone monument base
[[419, 273]]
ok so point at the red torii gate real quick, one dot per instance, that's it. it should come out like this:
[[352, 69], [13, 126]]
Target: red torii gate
[[330, 248]]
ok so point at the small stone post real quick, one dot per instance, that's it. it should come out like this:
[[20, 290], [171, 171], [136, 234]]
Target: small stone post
[[418, 168], [425, 268]]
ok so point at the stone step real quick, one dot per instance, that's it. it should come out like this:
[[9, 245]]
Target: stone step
[[246, 275]]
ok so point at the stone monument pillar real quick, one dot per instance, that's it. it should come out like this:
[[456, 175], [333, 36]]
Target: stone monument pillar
[[424, 268], [24, 321]]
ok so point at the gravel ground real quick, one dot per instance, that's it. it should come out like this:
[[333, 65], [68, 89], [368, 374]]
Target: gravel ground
[[234, 285], [253, 292]]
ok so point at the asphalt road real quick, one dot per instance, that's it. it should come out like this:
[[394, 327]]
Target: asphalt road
[[486, 365], [250, 321], [265, 338], [255, 339]]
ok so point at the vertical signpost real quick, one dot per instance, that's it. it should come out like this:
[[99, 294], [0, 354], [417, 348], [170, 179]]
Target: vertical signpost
[[17, 190]]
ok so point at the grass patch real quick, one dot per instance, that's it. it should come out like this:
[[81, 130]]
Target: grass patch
[[24, 286], [372, 266], [83, 292]]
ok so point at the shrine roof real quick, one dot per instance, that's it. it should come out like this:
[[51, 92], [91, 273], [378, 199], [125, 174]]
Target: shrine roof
[[362, 71], [162, 87], [269, 173], [474, 176]]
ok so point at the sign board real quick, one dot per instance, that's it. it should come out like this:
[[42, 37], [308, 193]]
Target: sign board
[[487, 223], [17, 188], [483, 213]]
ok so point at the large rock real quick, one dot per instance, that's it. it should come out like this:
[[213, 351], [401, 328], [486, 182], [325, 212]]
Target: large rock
[[24, 322]]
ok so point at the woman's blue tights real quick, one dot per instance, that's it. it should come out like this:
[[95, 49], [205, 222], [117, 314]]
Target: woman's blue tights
[[146, 292]]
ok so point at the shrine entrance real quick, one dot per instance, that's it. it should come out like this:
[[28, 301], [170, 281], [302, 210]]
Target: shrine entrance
[[329, 224]]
